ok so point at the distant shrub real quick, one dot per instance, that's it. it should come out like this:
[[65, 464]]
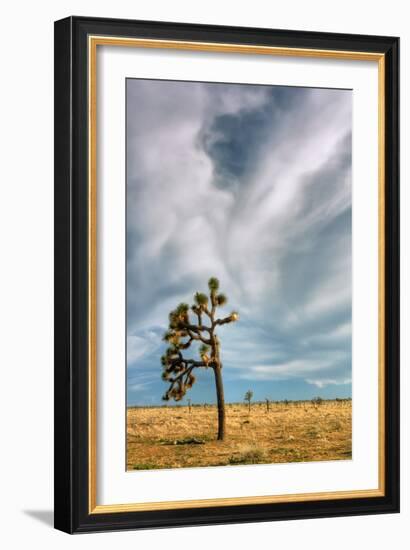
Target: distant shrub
[[317, 401], [248, 398]]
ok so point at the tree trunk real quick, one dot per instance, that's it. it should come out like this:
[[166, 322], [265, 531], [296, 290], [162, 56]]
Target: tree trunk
[[220, 402]]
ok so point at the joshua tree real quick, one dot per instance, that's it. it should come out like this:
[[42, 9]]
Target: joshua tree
[[183, 332], [248, 398]]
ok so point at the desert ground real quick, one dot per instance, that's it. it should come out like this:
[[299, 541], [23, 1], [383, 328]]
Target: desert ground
[[183, 437]]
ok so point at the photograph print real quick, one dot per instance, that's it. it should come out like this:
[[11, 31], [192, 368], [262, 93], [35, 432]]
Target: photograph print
[[239, 290]]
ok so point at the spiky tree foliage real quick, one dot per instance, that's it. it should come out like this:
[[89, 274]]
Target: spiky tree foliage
[[190, 325]]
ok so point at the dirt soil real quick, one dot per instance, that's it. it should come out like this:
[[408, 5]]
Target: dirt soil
[[176, 437]]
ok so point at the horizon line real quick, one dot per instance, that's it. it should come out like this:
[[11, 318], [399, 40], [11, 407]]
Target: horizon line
[[259, 402]]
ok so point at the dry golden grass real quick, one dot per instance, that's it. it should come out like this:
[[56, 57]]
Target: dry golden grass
[[173, 437]]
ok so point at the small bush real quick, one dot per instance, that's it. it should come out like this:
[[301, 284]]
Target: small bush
[[255, 456], [184, 441], [335, 426], [313, 432], [146, 466], [317, 401]]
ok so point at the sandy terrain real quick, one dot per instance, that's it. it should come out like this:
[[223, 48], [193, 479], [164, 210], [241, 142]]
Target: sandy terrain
[[175, 437]]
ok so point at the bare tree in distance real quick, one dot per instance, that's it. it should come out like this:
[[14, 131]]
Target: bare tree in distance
[[248, 398], [316, 401], [196, 324]]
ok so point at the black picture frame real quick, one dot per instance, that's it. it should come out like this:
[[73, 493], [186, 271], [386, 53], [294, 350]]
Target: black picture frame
[[71, 492]]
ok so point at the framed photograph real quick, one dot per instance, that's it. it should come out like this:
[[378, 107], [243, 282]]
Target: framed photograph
[[226, 274]]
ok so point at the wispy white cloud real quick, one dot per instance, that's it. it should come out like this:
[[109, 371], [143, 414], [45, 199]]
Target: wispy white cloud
[[141, 345], [323, 382], [295, 368], [340, 334], [137, 387]]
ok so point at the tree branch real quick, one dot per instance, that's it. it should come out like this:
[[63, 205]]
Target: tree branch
[[197, 329], [200, 338], [198, 314], [181, 360], [185, 345], [224, 320], [180, 376]]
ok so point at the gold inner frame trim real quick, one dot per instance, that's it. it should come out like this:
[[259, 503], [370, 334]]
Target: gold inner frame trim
[[93, 42]]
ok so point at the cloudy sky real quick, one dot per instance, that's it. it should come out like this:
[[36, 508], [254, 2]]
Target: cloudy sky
[[251, 184]]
